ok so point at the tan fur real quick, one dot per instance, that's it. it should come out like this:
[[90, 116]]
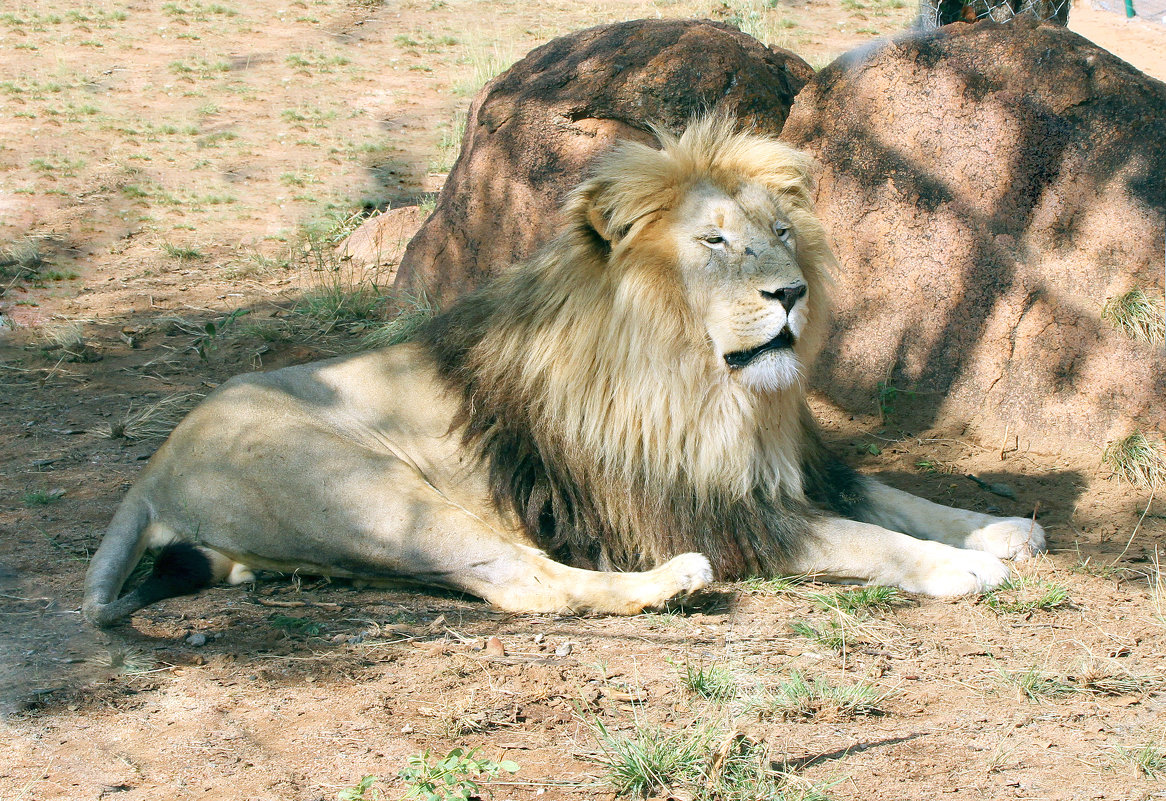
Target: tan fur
[[619, 400]]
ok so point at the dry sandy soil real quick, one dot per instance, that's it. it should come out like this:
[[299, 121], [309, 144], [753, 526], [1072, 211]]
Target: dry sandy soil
[[173, 177]]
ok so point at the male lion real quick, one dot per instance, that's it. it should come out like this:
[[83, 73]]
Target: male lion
[[614, 423]]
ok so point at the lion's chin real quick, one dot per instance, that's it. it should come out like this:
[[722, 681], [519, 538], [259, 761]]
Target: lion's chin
[[772, 371]]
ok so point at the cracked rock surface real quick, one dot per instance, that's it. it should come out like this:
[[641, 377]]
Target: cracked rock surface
[[988, 187]]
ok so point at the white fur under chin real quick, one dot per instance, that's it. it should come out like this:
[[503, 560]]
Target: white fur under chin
[[772, 371]]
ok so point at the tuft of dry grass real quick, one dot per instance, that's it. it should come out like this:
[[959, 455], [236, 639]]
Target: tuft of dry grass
[[1136, 459], [1138, 315], [153, 421]]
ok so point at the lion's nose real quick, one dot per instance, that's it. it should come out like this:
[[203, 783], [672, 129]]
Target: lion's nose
[[786, 296]]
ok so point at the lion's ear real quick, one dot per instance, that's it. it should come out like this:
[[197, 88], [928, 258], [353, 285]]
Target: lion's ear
[[591, 211]]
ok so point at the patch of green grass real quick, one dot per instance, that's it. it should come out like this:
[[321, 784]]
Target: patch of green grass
[[319, 62], [775, 585], [757, 18], [59, 165], [181, 253], [1037, 684], [298, 625], [713, 682], [42, 497], [830, 635], [798, 697], [1136, 459], [455, 777], [1138, 315], [216, 139], [851, 602], [294, 179], [199, 66], [58, 275], [485, 60], [412, 312], [1022, 596], [339, 302], [302, 116], [450, 146], [701, 762], [650, 760], [1148, 759]]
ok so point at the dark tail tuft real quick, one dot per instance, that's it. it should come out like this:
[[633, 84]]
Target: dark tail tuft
[[179, 569]]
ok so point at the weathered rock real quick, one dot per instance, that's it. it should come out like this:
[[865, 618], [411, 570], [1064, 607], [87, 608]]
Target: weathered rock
[[380, 241], [532, 132], [987, 188]]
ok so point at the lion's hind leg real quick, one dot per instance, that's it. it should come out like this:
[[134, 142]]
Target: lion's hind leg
[[846, 550], [1004, 537]]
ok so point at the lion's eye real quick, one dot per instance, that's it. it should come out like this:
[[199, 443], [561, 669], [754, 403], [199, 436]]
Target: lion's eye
[[715, 241], [783, 231]]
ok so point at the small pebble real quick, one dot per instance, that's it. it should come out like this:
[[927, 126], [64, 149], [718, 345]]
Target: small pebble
[[198, 639], [494, 647], [564, 649], [538, 638]]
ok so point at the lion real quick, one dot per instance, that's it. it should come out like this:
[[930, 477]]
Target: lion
[[609, 426]]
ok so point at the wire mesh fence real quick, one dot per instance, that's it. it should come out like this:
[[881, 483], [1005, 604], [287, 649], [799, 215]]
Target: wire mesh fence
[[1153, 10], [934, 13]]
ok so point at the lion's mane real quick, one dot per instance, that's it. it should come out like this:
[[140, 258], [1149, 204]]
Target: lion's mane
[[591, 391]]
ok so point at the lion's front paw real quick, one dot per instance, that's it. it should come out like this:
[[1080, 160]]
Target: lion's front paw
[[692, 571], [948, 571], [1009, 538]]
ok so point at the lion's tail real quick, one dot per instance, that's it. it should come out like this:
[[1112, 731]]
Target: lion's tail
[[179, 569]]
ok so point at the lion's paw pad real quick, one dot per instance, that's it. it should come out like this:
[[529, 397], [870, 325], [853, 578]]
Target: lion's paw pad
[[1009, 538]]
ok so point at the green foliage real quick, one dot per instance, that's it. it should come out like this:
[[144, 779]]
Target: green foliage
[[1036, 684], [412, 312], [889, 395], [713, 682], [798, 697], [853, 602], [701, 762], [829, 635], [42, 497], [205, 343], [298, 625], [363, 791], [1148, 759], [181, 253], [1022, 596], [453, 777]]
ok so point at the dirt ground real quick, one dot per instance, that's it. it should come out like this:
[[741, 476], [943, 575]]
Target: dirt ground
[[173, 178]]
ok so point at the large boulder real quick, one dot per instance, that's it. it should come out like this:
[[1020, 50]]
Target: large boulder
[[988, 188], [532, 132]]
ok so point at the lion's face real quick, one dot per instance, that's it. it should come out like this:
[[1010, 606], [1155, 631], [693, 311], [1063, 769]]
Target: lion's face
[[738, 255]]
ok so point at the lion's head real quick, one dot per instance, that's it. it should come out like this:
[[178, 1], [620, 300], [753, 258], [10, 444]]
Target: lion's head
[[724, 217], [635, 386]]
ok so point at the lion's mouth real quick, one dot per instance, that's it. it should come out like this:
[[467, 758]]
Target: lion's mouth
[[742, 358]]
